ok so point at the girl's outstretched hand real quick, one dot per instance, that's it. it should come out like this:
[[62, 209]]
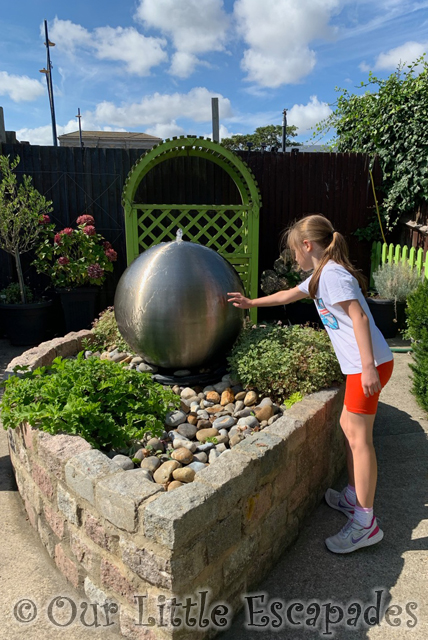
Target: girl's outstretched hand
[[240, 301]]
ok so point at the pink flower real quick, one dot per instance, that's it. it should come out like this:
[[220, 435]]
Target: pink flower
[[45, 219], [63, 261], [57, 238], [85, 219], [95, 271], [107, 245], [111, 255], [66, 232], [89, 230]]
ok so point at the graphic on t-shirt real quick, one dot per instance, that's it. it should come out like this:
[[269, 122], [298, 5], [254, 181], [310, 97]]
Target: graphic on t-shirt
[[327, 318]]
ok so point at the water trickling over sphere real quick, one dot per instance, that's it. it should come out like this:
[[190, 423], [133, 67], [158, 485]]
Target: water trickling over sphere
[[171, 305]]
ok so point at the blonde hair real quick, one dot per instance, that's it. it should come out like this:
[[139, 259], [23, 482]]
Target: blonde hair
[[316, 228]]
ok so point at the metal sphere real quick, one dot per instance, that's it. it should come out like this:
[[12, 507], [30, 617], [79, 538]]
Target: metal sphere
[[171, 305]]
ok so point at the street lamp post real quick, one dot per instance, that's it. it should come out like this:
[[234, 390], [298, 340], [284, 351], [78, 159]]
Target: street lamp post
[[48, 74]]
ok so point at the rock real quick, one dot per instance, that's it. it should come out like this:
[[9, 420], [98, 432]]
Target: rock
[[174, 485], [156, 444], [203, 434], [182, 373], [184, 475], [240, 395], [263, 424], [202, 414], [176, 389], [264, 413], [276, 409], [230, 408], [242, 430], [207, 403], [184, 407], [213, 396], [221, 386], [127, 360], [164, 473], [196, 466], [117, 357], [224, 423], [203, 424], [187, 393], [215, 409], [249, 421], [239, 406], [266, 401], [174, 435], [192, 419], [139, 455], [220, 447], [244, 413], [230, 380], [137, 360], [143, 367], [205, 390], [124, 462], [206, 446], [274, 418], [250, 398], [188, 444], [194, 407], [237, 389], [104, 355], [236, 439], [147, 475], [175, 418], [182, 455], [227, 397], [222, 439], [223, 432], [214, 454], [200, 456], [88, 354], [151, 463], [187, 430]]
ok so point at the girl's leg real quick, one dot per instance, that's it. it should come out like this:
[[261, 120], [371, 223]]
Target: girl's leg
[[349, 461], [361, 456]]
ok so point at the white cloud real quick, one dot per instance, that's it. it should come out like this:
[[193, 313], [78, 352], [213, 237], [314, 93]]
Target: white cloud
[[404, 54], [20, 88], [164, 131], [305, 116], [43, 135], [194, 26], [138, 52], [278, 33], [162, 109]]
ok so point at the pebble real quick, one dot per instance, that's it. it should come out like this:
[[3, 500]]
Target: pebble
[[104, 355], [175, 484], [184, 406], [187, 393], [175, 418], [156, 444], [250, 398], [274, 418], [249, 421], [240, 395], [205, 390], [214, 454], [188, 444], [143, 367], [200, 456], [264, 413], [205, 446], [117, 357], [243, 413], [182, 455], [224, 423], [202, 414], [207, 403], [239, 430], [227, 397], [220, 447], [139, 455], [221, 386], [164, 473], [230, 380], [196, 466], [88, 354], [181, 373], [230, 408], [222, 439], [223, 432], [184, 475], [151, 463], [173, 435], [176, 389], [192, 418], [203, 424], [239, 405], [236, 439], [194, 407], [137, 360], [203, 434], [266, 401], [124, 462], [213, 396], [215, 409], [263, 424], [187, 430], [113, 352]]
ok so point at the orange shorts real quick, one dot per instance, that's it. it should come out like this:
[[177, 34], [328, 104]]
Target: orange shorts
[[355, 400]]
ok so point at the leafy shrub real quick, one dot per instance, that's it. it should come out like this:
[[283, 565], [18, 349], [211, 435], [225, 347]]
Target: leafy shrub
[[395, 281], [102, 402], [106, 332], [280, 361], [12, 294], [417, 322]]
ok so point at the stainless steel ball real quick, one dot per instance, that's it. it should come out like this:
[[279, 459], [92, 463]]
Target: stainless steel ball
[[171, 305]]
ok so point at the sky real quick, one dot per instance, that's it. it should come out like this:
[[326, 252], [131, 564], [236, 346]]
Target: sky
[[153, 65]]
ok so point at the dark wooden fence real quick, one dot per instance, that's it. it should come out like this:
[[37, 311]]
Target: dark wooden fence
[[291, 185]]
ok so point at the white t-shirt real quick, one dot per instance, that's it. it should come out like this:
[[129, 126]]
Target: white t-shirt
[[336, 285]]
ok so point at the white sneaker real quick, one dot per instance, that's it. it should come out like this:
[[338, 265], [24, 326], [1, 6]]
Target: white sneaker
[[354, 536], [337, 500]]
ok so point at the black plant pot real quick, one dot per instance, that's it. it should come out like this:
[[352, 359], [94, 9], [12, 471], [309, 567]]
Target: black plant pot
[[389, 316], [27, 324], [79, 306], [303, 312]]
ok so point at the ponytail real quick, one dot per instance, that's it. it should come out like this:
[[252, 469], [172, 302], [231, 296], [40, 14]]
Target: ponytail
[[316, 228]]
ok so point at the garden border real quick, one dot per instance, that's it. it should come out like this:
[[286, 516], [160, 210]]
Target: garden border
[[115, 534]]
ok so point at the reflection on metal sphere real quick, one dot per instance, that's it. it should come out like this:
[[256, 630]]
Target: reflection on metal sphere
[[171, 305]]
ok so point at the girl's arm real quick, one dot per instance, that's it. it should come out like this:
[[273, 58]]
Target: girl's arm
[[369, 377], [279, 298]]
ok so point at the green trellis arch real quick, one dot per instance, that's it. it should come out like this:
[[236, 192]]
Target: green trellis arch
[[231, 230]]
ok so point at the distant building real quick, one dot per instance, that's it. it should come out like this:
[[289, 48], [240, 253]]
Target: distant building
[[109, 140]]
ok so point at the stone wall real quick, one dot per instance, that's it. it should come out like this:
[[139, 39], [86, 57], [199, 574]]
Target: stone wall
[[116, 535]]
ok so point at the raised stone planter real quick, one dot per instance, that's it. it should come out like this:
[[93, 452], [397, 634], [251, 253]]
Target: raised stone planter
[[118, 537]]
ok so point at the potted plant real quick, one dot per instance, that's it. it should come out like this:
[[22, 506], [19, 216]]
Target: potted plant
[[77, 261], [285, 276], [394, 282], [24, 222]]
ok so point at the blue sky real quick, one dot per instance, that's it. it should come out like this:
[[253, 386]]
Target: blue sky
[[153, 65]]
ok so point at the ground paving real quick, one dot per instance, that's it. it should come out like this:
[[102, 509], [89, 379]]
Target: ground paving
[[397, 568]]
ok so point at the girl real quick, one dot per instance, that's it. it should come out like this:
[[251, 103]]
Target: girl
[[337, 289]]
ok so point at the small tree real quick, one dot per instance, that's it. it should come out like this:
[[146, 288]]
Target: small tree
[[23, 215], [269, 136]]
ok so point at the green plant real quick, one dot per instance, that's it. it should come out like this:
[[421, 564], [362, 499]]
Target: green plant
[[280, 361], [295, 397], [102, 402], [284, 275], [106, 332], [212, 439], [264, 138], [395, 281], [388, 120], [417, 323], [24, 219], [12, 294], [76, 257]]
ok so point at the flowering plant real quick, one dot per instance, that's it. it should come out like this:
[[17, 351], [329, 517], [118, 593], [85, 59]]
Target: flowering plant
[[76, 257]]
